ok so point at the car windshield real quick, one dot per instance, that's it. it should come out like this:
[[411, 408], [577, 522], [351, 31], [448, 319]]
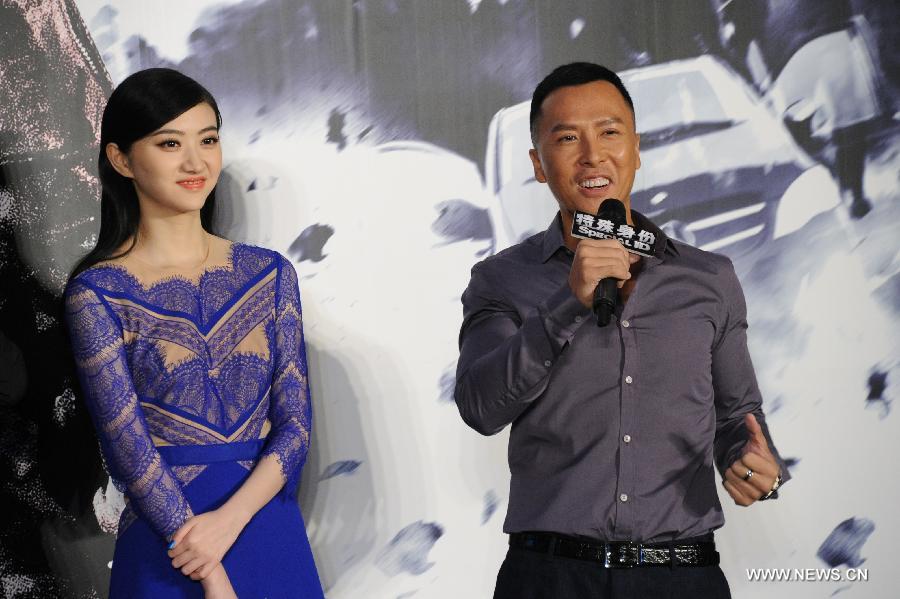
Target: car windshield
[[677, 105]]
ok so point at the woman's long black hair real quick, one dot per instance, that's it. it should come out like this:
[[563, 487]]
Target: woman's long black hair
[[140, 105]]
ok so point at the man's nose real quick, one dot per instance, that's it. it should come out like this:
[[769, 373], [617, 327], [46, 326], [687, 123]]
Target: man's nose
[[591, 151]]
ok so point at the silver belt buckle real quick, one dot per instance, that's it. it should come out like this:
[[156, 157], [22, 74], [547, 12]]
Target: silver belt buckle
[[626, 555]]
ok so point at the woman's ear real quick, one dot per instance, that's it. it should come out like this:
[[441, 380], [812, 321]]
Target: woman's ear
[[119, 160]]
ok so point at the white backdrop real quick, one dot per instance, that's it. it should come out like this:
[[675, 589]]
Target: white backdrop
[[384, 217]]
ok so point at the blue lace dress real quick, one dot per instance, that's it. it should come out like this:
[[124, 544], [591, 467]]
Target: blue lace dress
[[189, 385]]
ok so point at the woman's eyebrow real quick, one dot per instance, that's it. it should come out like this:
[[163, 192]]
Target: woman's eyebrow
[[177, 132]]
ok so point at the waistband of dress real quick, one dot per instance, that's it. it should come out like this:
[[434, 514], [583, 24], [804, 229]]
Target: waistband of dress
[[184, 455]]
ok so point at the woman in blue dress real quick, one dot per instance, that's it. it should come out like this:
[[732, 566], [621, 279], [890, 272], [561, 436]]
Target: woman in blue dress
[[191, 359]]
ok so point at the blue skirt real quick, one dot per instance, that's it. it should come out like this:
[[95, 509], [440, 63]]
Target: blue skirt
[[270, 559]]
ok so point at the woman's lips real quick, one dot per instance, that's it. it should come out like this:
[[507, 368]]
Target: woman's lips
[[193, 184]]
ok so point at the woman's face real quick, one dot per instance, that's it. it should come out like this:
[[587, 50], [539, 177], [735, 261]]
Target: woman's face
[[175, 168]]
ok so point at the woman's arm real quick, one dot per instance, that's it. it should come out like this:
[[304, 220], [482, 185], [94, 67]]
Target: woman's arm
[[217, 585], [106, 382], [198, 547]]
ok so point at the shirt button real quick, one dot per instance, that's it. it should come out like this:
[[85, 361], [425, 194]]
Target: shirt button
[[578, 319], [548, 363], [623, 497], [627, 438], [626, 324], [628, 379]]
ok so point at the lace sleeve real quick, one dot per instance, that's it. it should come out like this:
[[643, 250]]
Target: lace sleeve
[[289, 409], [132, 459]]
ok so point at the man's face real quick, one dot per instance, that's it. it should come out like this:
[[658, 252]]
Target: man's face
[[586, 148]]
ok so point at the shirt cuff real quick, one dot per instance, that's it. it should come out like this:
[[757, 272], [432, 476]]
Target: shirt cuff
[[563, 314]]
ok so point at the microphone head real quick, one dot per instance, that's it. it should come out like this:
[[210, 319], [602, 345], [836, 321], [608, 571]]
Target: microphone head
[[612, 209]]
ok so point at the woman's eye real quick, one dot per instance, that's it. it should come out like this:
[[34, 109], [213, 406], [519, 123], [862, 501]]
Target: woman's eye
[[211, 141], [168, 144]]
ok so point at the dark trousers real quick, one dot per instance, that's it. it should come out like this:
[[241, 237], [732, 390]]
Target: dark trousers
[[526, 574]]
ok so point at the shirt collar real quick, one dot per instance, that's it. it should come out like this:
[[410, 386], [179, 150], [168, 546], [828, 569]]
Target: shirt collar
[[664, 245], [553, 237]]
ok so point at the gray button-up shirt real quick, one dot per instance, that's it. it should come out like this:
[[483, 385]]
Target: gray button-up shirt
[[615, 430]]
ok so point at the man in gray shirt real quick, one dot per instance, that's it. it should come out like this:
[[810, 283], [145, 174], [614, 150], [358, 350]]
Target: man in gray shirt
[[615, 429]]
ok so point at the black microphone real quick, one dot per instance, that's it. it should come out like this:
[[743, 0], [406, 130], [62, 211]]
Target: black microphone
[[607, 291]]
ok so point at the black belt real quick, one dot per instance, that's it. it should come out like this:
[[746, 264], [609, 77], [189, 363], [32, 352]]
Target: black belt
[[696, 551]]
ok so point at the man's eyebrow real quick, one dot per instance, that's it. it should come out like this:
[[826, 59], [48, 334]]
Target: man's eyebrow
[[610, 121], [177, 132], [601, 123], [562, 127]]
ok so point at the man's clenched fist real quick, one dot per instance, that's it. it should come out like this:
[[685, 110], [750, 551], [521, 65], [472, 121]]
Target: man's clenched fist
[[597, 259]]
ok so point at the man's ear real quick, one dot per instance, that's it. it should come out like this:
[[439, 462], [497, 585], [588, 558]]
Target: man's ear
[[538, 168], [119, 160]]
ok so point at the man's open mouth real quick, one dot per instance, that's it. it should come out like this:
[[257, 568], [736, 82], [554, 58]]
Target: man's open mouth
[[595, 182]]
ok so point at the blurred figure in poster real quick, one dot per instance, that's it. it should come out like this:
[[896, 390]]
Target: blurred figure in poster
[[13, 376], [816, 63]]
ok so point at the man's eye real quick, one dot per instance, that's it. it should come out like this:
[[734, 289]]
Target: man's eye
[[611, 132], [567, 138]]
